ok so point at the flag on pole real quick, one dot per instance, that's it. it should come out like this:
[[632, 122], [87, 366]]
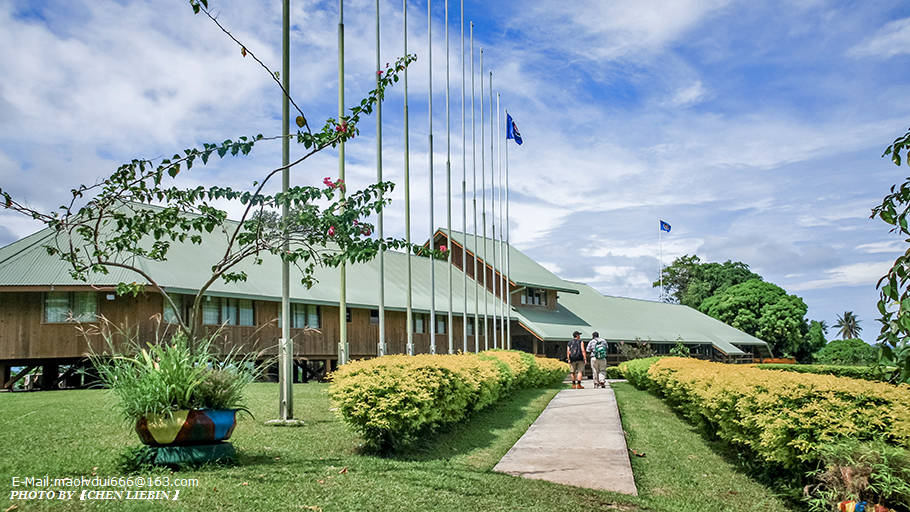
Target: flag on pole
[[512, 130], [664, 226]]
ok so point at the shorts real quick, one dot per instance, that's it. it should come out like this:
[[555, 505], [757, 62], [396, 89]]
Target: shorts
[[577, 366]]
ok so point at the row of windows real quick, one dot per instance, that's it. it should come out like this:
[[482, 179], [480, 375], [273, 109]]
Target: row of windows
[[534, 296], [62, 307]]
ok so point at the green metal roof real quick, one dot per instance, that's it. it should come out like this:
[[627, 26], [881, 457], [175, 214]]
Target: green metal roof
[[579, 307], [524, 271], [624, 319]]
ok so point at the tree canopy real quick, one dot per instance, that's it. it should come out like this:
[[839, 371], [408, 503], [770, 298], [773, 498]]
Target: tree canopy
[[848, 326], [688, 281], [763, 310]]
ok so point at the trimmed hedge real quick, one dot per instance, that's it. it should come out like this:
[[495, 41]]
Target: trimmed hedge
[[392, 399], [783, 418], [853, 372]]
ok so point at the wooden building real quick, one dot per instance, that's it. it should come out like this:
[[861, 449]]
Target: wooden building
[[49, 321]]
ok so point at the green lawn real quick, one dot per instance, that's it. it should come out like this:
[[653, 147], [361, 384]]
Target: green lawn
[[319, 467]]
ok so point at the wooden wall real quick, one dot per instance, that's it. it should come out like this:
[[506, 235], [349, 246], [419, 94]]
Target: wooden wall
[[25, 336]]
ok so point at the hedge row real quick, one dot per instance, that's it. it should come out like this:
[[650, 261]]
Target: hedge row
[[392, 399], [784, 418], [853, 372]]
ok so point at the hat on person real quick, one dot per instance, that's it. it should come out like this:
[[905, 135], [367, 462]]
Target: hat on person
[[576, 333]]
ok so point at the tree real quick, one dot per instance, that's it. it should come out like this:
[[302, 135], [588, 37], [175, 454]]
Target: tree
[[763, 310], [848, 326], [137, 212], [894, 287], [813, 342], [688, 281], [847, 351]]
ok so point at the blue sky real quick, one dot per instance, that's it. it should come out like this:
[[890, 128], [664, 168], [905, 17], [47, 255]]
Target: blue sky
[[754, 128]]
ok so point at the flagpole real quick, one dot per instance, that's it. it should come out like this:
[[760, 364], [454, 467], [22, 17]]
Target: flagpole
[[483, 188], [508, 254], [660, 259], [449, 325], [407, 189], [493, 205], [381, 347], [474, 187], [464, 200], [502, 257], [286, 351], [342, 301], [432, 222]]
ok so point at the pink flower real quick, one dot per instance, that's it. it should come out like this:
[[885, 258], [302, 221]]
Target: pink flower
[[355, 222], [331, 230], [379, 73], [443, 248], [366, 231], [328, 182]]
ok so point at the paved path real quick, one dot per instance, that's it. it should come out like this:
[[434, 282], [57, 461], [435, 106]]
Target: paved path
[[560, 447]]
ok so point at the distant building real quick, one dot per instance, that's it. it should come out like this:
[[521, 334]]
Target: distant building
[[41, 306]]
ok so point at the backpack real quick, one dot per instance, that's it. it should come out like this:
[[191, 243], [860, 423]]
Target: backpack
[[575, 350], [600, 350]]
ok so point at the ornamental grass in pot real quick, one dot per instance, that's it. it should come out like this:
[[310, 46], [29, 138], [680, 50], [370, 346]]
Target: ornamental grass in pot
[[176, 392]]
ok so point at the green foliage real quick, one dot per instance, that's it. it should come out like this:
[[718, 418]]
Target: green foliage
[[848, 326], [763, 310], [679, 350], [688, 281], [391, 400], [162, 378], [873, 472], [638, 349], [613, 372], [854, 372], [636, 371], [847, 352], [813, 341], [894, 287]]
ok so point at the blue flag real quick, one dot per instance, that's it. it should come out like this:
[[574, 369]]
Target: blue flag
[[512, 129], [664, 226]]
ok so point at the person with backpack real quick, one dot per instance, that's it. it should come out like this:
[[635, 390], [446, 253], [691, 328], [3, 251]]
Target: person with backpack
[[578, 359], [597, 353]]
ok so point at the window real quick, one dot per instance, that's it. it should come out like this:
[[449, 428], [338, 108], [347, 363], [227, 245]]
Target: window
[[470, 327], [440, 324], [170, 316], [374, 316], [534, 297], [222, 310], [302, 316], [420, 323], [59, 307]]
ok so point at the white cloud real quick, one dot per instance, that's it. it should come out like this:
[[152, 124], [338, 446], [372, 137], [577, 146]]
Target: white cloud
[[689, 95], [890, 40], [891, 246], [855, 274]]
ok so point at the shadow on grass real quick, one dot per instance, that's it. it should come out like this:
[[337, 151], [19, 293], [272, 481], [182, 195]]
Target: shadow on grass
[[479, 431]]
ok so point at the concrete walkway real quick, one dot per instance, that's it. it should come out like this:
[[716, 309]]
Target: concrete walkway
[[577, 440]]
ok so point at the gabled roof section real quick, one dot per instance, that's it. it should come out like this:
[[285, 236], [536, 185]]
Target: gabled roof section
[[524, 270]]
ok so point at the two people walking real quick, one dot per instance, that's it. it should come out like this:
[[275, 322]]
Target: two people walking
[[578, 356]]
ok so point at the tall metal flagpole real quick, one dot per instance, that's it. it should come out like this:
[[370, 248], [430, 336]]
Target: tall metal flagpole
[[449, 325], [407, 188], [493, 206], [474, 186], [432, 222], [508, 254], [660, 259], [483, 189], [381, 347], [343, 299], [464, 201], [286, 351], [502, 257]]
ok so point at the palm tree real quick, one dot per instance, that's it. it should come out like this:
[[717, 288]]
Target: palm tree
[[848, 325]]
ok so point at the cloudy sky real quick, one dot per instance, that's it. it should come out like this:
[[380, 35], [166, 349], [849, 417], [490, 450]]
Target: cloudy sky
[[754, 128]]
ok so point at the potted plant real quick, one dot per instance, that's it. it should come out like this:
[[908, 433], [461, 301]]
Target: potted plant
[[177, 394]]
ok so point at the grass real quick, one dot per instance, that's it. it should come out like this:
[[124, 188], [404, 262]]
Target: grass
[[320, 467]]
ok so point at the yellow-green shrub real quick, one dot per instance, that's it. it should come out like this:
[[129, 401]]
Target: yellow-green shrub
[[636, 371], [782, 417], [391, 399]]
